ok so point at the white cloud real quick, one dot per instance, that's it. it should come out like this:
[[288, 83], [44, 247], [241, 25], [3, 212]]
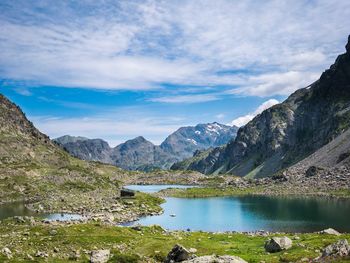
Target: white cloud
[[276, 83], [220, 116], [141, 45], [115, 131], [198, 98], [23, 91], [243, 120]]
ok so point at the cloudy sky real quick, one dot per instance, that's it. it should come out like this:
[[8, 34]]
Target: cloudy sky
[[119, 69]]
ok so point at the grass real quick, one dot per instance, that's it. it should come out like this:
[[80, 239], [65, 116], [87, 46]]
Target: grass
[[210, 192], [151, 243]]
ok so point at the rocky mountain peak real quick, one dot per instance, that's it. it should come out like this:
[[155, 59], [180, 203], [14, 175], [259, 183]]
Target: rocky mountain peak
[[287, 132], [347, 47], [13, 120]]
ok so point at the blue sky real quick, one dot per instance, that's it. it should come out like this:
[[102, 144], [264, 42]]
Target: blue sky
[[119, 69]]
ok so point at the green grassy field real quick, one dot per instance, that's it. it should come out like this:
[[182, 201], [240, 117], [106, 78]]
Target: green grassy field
[[150, 244]]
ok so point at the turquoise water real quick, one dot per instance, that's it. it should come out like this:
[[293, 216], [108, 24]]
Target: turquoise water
[[155, 188], [250, 213]]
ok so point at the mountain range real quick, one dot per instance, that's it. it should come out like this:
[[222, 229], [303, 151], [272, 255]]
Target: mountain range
[[140, 154], [286, 133]]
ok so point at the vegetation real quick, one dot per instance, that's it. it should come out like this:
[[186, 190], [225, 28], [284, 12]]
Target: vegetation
[[210, 192], [148, 244]]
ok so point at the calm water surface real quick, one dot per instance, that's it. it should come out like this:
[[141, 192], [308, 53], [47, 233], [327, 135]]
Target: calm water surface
[[156, 187], [19, 209], [251, 213]]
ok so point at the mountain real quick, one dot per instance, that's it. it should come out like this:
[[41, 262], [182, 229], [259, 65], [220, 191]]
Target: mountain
[[288, 132], [67, 139], [186, 140], [32, 167], [86, 149], [140, 154]]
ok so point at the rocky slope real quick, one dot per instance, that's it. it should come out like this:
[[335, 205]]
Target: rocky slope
[[35, 170], [140, 154], [288, 132]]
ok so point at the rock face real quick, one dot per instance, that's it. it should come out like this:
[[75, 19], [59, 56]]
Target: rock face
[[277, 244], [177, 254], [140, 154], [187, 140], [340, 248], [216, 259], [99, 256], [288, 132], [86, 149]]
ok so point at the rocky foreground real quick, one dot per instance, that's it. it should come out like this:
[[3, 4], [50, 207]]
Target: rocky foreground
[[25, 239]]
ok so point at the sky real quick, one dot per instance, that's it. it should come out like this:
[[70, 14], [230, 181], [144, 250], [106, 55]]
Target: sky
[[119, 69]]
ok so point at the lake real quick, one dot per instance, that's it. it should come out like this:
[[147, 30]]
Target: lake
[[156, 187], [250, 213], [19, 209]]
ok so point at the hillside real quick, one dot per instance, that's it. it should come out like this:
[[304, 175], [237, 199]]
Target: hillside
[[140, 154], [288, 132], [35, 170]]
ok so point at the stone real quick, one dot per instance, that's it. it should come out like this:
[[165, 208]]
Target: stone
[[177, 254], [330, 231], [340, 248], [41, 254], [100, 256], [53, 232], [192, 250], [127, 193], [6, 252], [216, 259], [277, 244], [136, 228], [312, 171]]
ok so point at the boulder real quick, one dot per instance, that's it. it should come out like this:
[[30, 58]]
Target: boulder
[[312, 171], [330, 231], [177, 254], [216, 259], [6, 252], [340, 248], [100, 256], [126, 193], [277, 244]]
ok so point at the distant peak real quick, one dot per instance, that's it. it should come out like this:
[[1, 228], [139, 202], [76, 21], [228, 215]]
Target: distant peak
[[347, 47]]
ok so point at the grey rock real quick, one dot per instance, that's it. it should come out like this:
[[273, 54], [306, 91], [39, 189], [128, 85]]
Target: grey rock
[[216, 259], [177, 254], [126, 193], [6, 252], [340, 248], [100, 256], [277, 244], [330, 231]]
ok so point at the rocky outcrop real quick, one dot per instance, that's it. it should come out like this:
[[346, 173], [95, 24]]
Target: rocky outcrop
[[288, 132], [277, 244]]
